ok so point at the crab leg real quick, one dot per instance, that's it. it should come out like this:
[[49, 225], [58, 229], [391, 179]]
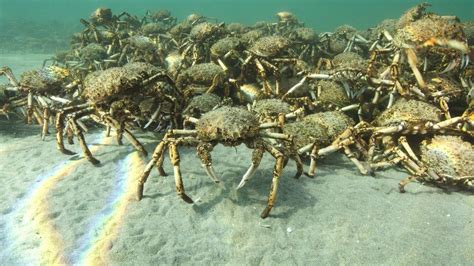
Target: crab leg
[[161, 158], [78, 132], [386, 164], [303, 52], [5, 113], [374, 44], [37, 113], [257, 155], [281, 120], [464, 62], [343, 141], [359, 38], [295, 87], [107, 130], [349, 44], [350, 107], [18, 102], [204, 153], [360, 114], [59, 134], [23, 112], [406, 181], [319, 76], [276, 178], [128, 135], [153, 117], [174, 156], [222, 65], [296, 114], [276, 73], [82, 141], [82, 125], [29, 108], [215, 83], [448, 122], [312, 165], [338, 144], [394, 68], [362, 169], [9, 74], [183, 132], [123, 54], [392, 96], [412, 59], [323, 151], [119, 132], [69, 134], [348, 89], [195, 54], [261, 71], [46, 116], [417, 171], [275, 135], [403, 141], [299, 164], [134, 141], [313, 52], [157, 155]]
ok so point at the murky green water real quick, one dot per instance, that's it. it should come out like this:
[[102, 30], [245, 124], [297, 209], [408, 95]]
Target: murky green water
[[322, 14], [23, 18]]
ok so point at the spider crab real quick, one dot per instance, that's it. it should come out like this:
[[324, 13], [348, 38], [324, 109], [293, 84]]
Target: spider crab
[[438, 40], [230, 126], [267, 54], [160, 16], [114, 97], [38, 90], [397, 128], [351, 71], [323, 133], [450, 157], [286, 22], [200, 39]]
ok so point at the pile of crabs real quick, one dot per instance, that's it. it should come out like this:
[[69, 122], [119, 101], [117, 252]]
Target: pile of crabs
[[401, 93]]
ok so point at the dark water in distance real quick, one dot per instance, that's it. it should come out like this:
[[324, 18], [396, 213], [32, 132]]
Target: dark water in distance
[[323, 15], [46, 26]]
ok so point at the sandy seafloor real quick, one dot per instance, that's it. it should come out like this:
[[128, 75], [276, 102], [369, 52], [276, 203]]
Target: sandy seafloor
[[61, 209]]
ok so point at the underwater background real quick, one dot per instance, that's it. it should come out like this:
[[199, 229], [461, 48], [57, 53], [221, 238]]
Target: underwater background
[[26, 20]]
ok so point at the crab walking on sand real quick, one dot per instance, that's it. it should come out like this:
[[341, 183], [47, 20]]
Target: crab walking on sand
[[230, 126], [395, 127], [114, 96]]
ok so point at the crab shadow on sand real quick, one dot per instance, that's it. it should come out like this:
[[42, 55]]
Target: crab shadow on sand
[[292, 195], [15, 128]]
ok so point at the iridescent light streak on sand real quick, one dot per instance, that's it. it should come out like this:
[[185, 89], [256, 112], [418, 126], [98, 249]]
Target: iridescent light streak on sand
[[98, 221], [36, 203], [16, 220], [112, 218]]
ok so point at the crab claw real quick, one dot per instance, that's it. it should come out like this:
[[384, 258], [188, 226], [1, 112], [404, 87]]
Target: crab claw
[[211, 173], [454, 44], [412, 61], [249, 174]]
